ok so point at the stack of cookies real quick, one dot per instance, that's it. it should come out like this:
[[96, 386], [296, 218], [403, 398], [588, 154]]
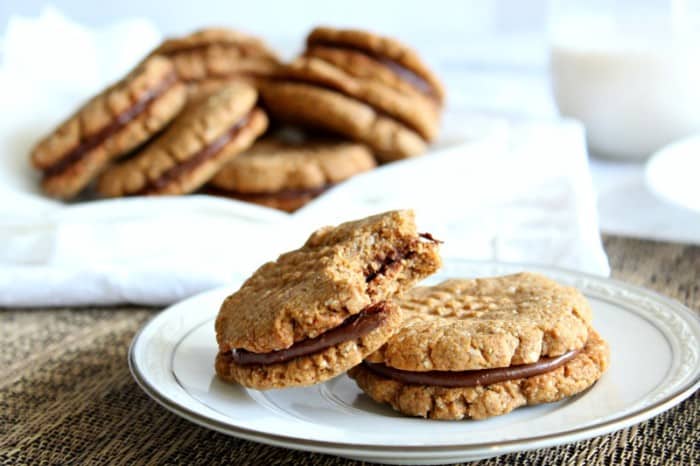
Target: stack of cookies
[[188, 119], [465, 348]]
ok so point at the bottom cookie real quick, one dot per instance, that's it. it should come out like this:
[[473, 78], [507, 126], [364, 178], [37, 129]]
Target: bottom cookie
[[313, 368], [480, 402]]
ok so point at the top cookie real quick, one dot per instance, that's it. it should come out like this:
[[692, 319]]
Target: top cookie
[[469, 324], [218, 54], [339, 272], [403, 59]]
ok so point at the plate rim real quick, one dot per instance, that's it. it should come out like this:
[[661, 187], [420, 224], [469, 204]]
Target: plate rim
[[486, 448]]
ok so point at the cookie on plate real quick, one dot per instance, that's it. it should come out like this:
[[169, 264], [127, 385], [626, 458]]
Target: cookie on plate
[[109, 126], [287, 175], [482, 347], [319, 310], [210, 57], [369, 88], [197, 144]]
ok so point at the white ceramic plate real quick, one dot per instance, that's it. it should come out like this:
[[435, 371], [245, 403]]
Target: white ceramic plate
[[654, 366], [672, 173]]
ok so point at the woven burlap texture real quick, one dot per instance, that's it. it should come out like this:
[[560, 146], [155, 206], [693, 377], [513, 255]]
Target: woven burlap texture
[[66, 396]]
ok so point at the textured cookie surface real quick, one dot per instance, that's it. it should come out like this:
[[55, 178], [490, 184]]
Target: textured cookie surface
[[375, 45], [309, 105], [108, 126], [213, 54], [271, 165], [357, 76], [310, 369], [338, 272], [491, 400], [468, 324], [193, 149]]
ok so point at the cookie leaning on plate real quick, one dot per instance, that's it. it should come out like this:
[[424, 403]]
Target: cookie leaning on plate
[[369, 88], [210, 57], [198, 143], [483, 347], [287, 175], [317, 311], [108, 126]]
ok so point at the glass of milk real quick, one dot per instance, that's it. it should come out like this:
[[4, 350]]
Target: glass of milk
[[629, 70]]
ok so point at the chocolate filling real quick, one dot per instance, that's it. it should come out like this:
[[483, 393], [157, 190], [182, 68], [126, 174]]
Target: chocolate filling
[[94, 140], [393, 259], [205, 153], [414, 79], [472, 378], [355, 326]]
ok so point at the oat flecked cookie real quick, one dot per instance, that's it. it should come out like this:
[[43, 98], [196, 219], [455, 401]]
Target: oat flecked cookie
[[369, 88], [108, 126], [476, 348], [287, 175], [317, 311], [210, 57], [199, 142]]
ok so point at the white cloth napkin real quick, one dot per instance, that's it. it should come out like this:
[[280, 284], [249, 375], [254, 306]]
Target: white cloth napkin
[[491, 190]]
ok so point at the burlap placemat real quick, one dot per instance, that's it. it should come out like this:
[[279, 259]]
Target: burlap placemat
[[66, 396]]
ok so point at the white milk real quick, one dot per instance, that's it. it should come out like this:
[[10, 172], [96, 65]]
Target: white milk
[[629, 70], [632, 100]]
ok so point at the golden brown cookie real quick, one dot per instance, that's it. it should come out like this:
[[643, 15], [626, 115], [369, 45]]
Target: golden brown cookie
[[483, 347], [317, 311], [317, 107], [108, 126], [356, 75], [287, 175], [198, 143], [209, 58], [396, 56]]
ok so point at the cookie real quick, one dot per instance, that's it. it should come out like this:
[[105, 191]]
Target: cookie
[[483, 347], [396, 56], [108, 126], [319, 310], [209, 58], [316, 107], [358, 75], [197, 144], [287, 175]]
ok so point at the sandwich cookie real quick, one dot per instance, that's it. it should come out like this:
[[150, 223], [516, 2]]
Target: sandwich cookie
[[319, 310], [366, 87], [287, 175], [483, 347], [197, 144], [210, 57], [108, 126]]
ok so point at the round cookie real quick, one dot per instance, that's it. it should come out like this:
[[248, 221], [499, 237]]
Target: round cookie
[[287, 175], [315, 107], [198, 143], [317, 311], [108, 126], [390, 51], [483, 347], [358, 76], [209, 58], [368, 88]]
